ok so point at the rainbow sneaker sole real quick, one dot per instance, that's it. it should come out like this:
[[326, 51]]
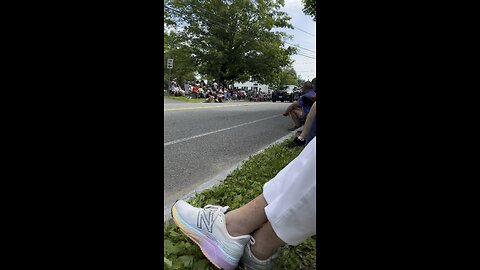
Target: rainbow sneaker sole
[[206, 227]]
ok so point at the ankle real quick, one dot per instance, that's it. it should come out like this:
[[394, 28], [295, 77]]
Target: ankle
[[261, 254], [233, 228]]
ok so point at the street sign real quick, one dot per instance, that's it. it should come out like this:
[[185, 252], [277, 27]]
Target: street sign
[[169, 63]]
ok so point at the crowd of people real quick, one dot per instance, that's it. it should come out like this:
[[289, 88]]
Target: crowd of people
[[216, 92]]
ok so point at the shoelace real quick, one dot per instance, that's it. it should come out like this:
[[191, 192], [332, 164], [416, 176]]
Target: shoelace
[[252, 240], [216, 209]]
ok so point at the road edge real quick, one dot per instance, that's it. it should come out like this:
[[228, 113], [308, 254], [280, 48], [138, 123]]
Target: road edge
[[216, 180]]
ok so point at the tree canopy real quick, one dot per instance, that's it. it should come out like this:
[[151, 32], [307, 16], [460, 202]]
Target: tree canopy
[[183, 67], [310, 8], [232, 40], [288, 76]]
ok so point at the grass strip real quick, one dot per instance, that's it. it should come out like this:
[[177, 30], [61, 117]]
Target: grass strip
[[185, 99], [241, 186]]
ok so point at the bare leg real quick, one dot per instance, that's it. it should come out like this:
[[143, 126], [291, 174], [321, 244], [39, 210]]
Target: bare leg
[[247, 218], [266, 242], [252, 218], [289, 109], [308, 122], [296, 114]]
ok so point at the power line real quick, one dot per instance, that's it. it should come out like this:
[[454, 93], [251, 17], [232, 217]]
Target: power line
[[213, 23], [296, 27], [209, 23], [201, 8], [241, 34], [300, 47], [225, 20], [306, 56], [223, 27]]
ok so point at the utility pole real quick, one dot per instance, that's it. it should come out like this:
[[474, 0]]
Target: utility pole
[[169, 67], [169, 80]]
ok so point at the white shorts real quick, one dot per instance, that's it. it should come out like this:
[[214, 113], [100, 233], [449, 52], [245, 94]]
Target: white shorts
[[291, 198]]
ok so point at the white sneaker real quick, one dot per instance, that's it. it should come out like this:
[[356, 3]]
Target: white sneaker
[[207, 228], [250, 262]]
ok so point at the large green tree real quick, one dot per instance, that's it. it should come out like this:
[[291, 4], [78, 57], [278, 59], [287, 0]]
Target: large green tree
[[300, 80], [233, 40], [287, 76]]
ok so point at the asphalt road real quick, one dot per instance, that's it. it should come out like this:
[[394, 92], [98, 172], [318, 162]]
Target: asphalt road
[[202, 140]]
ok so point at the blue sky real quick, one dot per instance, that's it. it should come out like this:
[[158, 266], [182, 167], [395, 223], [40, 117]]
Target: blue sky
[[304, 66]]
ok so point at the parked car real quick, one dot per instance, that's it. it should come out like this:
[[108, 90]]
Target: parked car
[[296, 94], [285, 93]]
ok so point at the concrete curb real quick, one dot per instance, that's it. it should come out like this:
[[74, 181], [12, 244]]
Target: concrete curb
[[219, 178]]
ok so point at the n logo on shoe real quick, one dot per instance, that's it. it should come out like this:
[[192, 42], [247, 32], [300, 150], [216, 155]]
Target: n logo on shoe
[[206, 218]]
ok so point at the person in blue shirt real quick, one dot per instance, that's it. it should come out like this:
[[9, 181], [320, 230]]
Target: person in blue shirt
[[300, 109], [310, 129], [307, 99]]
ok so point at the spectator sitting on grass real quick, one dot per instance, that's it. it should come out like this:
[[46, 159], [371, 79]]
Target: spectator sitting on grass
[[215, 96], [180, 92], [173, 87], [195, 90], [209, 96], [299, 109], [285, 213], [310, 129], [220, 96]]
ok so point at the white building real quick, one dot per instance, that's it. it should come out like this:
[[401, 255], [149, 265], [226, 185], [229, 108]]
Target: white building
[[252, 85]]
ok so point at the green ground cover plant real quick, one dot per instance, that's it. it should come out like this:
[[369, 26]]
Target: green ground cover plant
[[241, 186]]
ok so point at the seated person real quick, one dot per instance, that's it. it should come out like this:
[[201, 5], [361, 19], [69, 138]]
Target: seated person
[[195, 91], [299, 109], [209, 96], [309, 130], [181, 92], [215, 96], [220, 96]]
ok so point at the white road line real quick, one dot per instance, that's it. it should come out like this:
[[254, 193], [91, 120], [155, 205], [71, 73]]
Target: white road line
[[207, 107], [167, 207], [216, 131]]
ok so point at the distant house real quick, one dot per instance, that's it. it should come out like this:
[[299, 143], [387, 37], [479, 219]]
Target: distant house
[[252, 85]]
